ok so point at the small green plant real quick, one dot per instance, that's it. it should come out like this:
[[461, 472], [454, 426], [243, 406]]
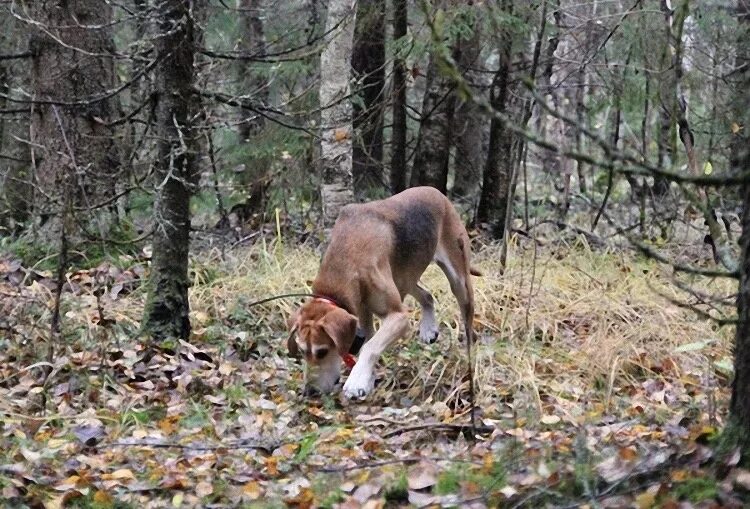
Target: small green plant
[[449, 481], [697, 490], [236, 393], [398, 491], [306, 446]]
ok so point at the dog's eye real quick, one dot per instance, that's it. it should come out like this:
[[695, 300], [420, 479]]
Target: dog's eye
[[320, 354]]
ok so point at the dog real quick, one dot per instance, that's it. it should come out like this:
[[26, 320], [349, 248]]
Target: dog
[[376, 255]]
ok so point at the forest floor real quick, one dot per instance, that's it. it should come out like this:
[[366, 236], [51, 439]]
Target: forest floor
[[592, 391]]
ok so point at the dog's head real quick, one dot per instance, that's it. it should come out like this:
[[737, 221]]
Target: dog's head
[[321, 333]]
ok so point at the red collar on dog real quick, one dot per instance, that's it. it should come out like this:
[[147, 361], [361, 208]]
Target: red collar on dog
[[327, 300], [349, 359]]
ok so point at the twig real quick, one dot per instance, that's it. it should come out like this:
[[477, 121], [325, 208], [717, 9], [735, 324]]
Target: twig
[[439, 426]]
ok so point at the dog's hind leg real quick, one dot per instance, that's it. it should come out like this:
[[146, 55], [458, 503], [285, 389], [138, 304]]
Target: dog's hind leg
[[452, 257], [428, 326]]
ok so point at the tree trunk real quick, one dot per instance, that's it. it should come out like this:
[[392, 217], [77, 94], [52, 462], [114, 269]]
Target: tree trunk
[[667, 139], [470, 125], [15, 185], [336, 114], [498, 172], [166, 312], [252, 41], [434, 141], [70, 67], [368, 64], [738, 430], [399, 131]]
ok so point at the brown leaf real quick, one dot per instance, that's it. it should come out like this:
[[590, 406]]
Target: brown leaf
[[204, 489], [340, 134]]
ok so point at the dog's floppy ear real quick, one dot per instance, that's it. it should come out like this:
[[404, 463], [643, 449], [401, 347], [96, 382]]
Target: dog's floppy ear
[[341, 326], [292, 324]]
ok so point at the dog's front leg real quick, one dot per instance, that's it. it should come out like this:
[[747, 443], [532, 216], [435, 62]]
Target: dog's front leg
[[362, 378]]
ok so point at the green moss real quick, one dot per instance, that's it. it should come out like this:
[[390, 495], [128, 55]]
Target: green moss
[[732, 437]]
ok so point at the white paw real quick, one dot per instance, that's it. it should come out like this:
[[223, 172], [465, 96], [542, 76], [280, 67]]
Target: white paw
[[359, 384], [428, 330]]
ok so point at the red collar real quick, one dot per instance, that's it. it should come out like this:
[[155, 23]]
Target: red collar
[[327, 300], [349, 359]]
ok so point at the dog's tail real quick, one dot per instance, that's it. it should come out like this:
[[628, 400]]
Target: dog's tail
[[475, 272]]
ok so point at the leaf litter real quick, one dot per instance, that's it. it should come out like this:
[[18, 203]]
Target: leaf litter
[[594, 392]]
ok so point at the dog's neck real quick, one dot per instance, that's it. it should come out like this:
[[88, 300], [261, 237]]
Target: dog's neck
[[338, 299]]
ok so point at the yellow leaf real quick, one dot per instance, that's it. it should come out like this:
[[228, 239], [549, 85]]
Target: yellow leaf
[[177, 499], [645, 500], [735, 128], [708, 168], [252, 490], [103, 498], [272, 465], [119, 475]]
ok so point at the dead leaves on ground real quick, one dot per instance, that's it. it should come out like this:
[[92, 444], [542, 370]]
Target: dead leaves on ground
[[109, 421]]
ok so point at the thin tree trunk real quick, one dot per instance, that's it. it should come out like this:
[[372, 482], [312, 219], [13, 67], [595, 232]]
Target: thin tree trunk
[[253, 41], [667, 139], [368, 63], [399, 131], [336, 115], [167, 308]]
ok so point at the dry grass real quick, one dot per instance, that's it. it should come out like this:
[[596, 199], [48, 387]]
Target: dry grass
[[565, 330]]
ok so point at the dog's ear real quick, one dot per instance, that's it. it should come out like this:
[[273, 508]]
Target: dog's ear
[[341, 326], [292, 324]]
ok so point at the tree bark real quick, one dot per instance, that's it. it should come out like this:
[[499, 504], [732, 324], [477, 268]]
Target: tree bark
[[738, 430], [336, 114], [253, 41], [470, 125], [167, 308], [368, 64], [72, 71], [399, 131], [668, 97], [434, 141], [498, 171], [15, 184]]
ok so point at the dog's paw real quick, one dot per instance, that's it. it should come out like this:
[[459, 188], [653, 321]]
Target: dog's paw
[[358, 386], [428, 331]]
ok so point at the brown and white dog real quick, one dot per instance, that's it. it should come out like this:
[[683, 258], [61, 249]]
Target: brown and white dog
[[377, 253]]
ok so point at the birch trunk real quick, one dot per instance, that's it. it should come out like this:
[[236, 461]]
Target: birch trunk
[[336, 110]]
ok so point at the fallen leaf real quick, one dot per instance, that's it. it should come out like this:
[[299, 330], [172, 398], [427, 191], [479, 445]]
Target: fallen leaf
[[742, 479], [252, 490], [421, 476], [204, 489], [645, 500], [550, 419]]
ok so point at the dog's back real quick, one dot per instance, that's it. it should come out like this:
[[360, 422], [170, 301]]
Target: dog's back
[[399, 234]]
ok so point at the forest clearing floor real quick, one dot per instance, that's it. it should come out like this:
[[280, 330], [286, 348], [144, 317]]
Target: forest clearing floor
[[592, 391]]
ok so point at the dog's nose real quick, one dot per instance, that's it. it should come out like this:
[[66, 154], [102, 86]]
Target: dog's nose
[[310, 391]]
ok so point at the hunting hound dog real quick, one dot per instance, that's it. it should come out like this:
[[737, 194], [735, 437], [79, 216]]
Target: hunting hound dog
[[376, 255]]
